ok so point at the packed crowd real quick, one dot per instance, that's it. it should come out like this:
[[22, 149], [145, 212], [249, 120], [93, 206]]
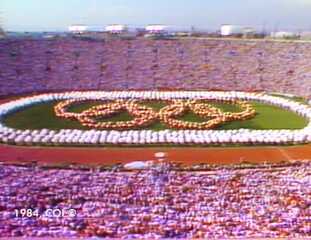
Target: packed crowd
[[157, 203], [71, 64], [184, 136]]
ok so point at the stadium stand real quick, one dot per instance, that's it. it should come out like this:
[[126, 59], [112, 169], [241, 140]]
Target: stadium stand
[[41, 65], [221, 203]]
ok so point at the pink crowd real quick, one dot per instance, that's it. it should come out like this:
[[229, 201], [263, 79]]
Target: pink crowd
[[41, 65], [150, 204]]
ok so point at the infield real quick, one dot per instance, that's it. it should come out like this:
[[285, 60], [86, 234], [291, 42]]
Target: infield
[[154, 118], [43, 116]]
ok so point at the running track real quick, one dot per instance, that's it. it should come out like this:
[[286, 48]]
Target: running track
[[185, 155]]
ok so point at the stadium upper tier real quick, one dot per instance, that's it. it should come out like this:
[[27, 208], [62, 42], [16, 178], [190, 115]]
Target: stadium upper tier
[[74, 64]]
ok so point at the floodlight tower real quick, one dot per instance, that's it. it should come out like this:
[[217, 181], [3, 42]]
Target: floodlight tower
[[2, 33]]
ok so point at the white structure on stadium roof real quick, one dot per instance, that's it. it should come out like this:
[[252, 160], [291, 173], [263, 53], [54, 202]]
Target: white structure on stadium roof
[[77, 28], [156, 28], [231, 30], [116, 28], [283, 34]]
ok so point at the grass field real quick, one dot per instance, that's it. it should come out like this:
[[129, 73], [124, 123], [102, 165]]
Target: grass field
[[42, 116]]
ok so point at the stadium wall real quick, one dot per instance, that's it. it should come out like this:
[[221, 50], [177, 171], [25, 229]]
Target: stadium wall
[[41, 65]]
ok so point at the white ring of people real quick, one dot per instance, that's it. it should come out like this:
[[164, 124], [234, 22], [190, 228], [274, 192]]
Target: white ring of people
[[75, 136]]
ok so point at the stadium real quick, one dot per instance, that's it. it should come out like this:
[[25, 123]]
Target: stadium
[[154, 137], [269, 75]]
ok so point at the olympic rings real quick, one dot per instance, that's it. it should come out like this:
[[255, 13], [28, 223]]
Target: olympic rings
[[248, 111], [169, 114], [144, 116]]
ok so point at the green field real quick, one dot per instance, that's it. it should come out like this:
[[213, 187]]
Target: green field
[[42, 116]]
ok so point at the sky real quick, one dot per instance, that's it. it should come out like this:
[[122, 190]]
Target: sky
[[57, 15]]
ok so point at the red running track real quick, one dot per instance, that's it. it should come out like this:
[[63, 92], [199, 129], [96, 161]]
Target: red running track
[[185, 155]]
